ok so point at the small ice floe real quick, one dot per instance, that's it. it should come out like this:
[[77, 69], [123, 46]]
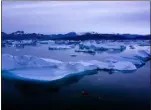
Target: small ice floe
[[86, 51], [143, 55], [101, 47], [59, 47]]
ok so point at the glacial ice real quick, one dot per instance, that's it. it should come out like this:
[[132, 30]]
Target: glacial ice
[[119, 65], [59, 47], [100, 46], [90, 51], [10, 62], [142, 54], [137, 62], [30, 67]]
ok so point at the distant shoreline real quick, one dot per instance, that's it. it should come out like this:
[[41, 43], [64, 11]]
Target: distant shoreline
[[20, 35]]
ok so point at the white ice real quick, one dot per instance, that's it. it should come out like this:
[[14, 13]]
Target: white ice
[[31, 67], [101, 46], [59, 47]]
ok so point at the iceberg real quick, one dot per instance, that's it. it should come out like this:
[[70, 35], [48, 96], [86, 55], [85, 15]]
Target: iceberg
[[59, 47], [89, 51], [137, 57], [96, 47], [101, 47], [43, 69], [137, 62], [143, 55]]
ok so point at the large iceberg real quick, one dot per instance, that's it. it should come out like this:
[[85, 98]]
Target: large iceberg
[[30, 67]]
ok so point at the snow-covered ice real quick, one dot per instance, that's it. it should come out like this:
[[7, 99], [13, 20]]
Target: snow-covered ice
[[10, 62], [59, 47], [48, 69], [101, 46]]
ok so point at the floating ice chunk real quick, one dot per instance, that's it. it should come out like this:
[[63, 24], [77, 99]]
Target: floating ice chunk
[[137, 62], [138, 57], [90, 51], [49, 74], [59, 47], [147, 50], [100, 47], [143, 55], [109, 47]]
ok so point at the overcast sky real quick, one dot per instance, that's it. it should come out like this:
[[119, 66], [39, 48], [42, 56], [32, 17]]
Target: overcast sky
[[78, 16]]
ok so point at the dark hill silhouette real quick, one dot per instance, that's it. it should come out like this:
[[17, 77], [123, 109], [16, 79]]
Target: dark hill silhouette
[[20, 35]]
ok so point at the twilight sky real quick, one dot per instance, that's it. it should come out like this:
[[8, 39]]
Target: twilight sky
[[79, 16]]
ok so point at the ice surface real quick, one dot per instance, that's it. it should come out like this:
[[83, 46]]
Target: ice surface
[[31, 67], [118, 65], [59, 47], [93, 47], [52, 60], [142, 54], [137, 62], [90, 51], [17, 62], [124, 66], [101, 46]]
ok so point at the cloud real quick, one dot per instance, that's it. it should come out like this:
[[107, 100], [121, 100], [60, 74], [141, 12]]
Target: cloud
[[79, 16]]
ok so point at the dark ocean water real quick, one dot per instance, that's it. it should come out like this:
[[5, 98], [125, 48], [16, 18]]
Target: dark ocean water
[[97, 91]]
